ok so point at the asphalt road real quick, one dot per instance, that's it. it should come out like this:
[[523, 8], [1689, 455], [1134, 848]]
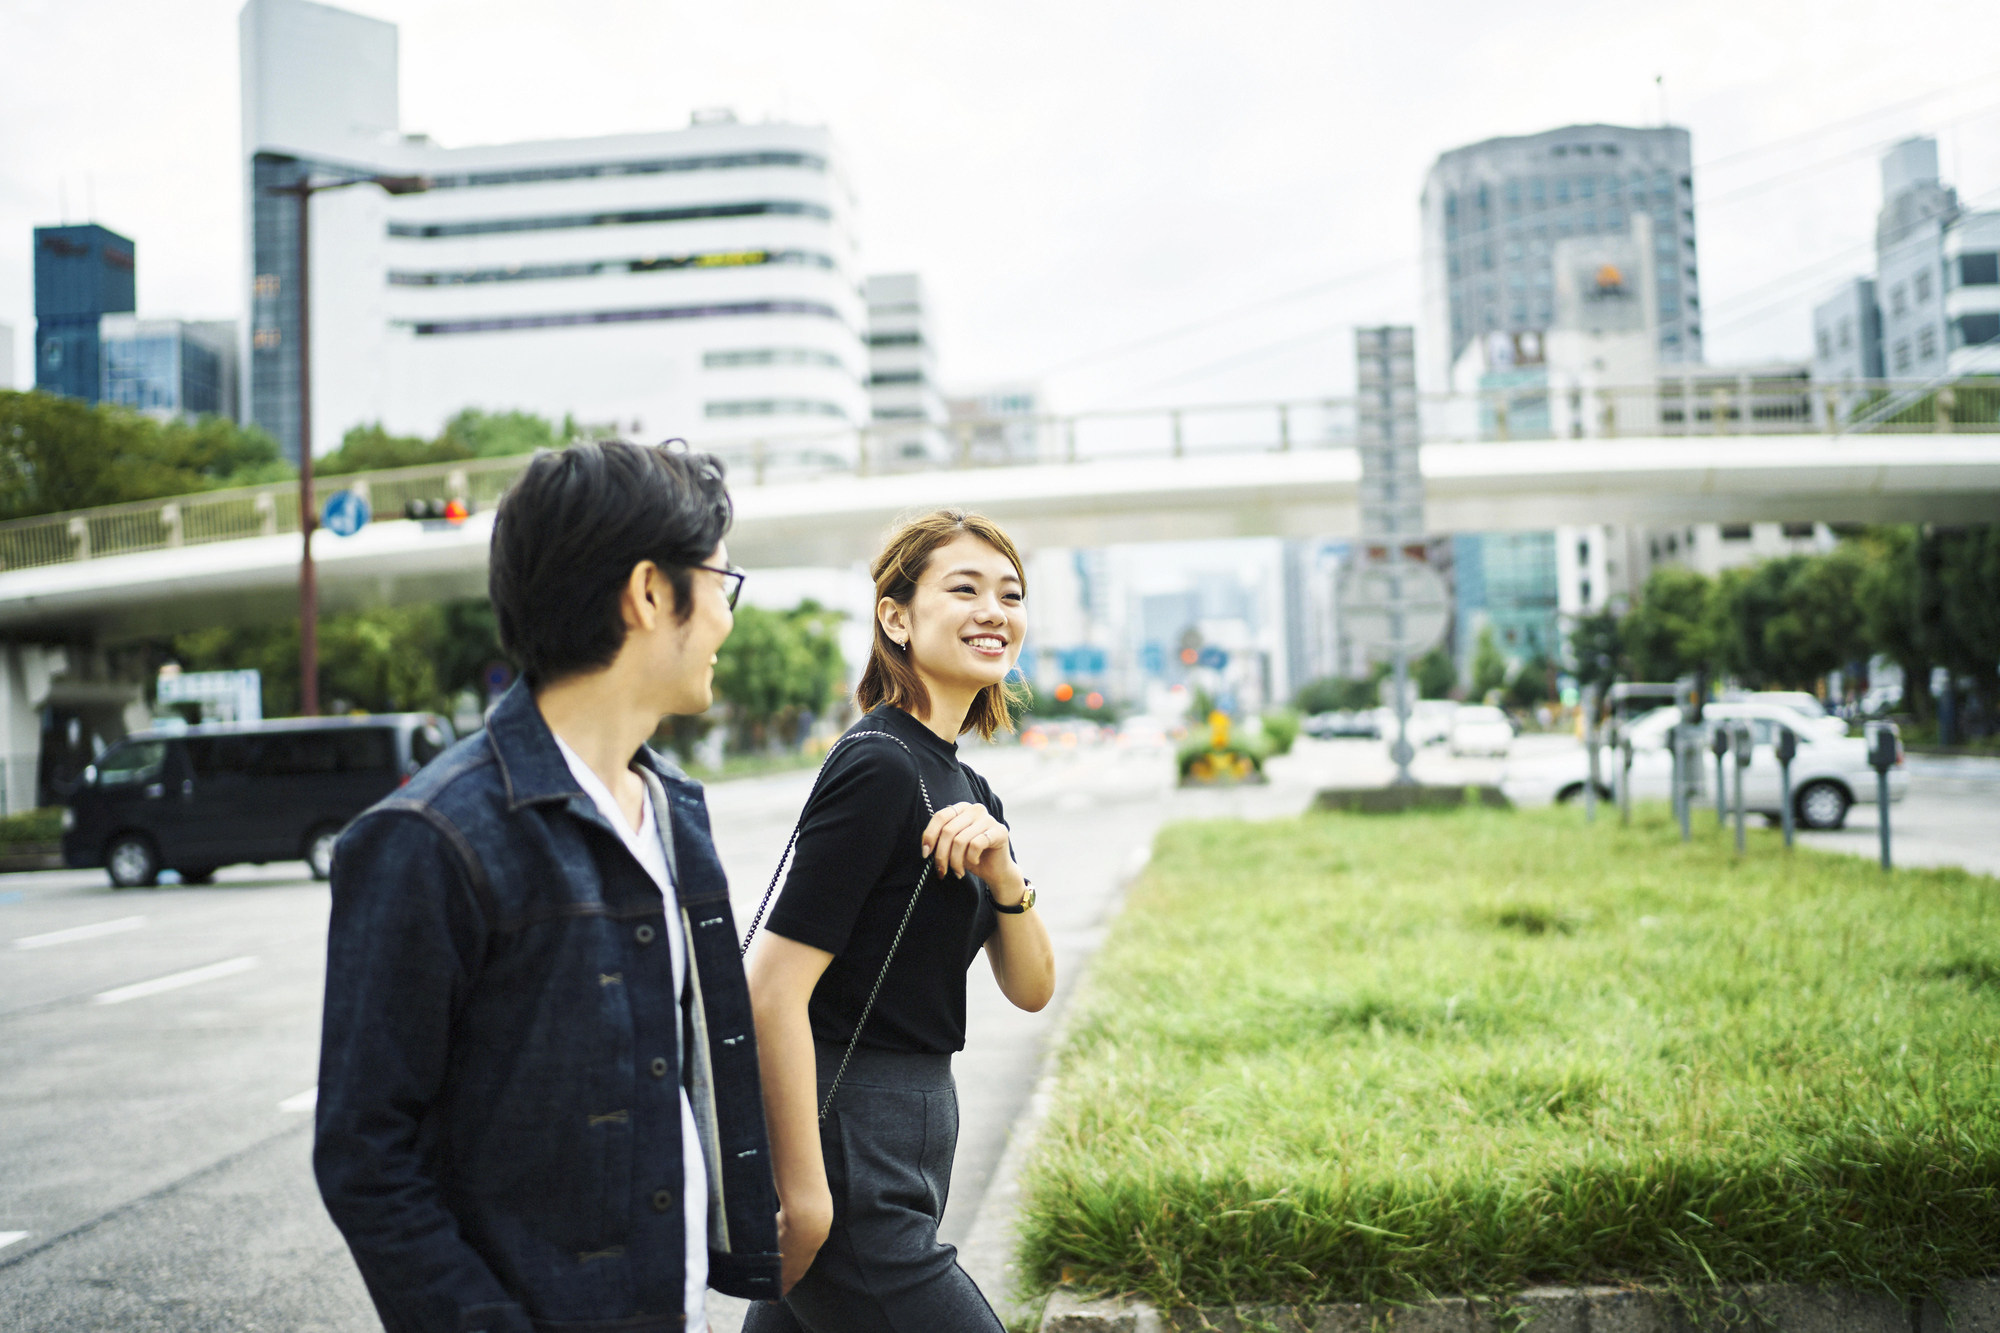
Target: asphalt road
[[157, 1047]]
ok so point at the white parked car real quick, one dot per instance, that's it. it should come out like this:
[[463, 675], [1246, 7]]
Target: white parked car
[[1805, 705], [1830, 773], [1477, 729]]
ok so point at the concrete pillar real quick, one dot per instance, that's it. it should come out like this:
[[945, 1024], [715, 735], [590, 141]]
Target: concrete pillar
[[26, 670]]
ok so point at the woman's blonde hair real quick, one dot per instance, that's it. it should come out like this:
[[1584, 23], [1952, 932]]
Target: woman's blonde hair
[[889, 677]]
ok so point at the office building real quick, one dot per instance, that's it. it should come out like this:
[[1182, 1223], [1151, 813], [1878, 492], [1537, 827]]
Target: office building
[[1494, 211], [168, 367], [997, 425], [905, 407], [1506, 580], [700, 282], [1932, 310], [83, 272]]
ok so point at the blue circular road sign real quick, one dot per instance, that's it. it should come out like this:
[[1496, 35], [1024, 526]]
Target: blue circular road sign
[[345, 514]]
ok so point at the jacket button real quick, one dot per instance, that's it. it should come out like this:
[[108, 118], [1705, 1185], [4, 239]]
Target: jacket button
[[643, 934], [659, 1066], [662, 1201]]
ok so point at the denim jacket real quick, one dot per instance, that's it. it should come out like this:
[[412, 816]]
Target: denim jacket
[[499, 1119]]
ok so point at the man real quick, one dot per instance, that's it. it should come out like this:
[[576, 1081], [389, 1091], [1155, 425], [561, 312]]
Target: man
[[538, 1101]]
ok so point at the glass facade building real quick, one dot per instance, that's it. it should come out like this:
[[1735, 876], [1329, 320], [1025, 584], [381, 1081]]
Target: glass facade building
[[1506, 580], [82, 273], [168, 367], [1493, 211]]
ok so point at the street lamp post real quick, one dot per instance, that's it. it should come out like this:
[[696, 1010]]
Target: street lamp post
[[303, 190]]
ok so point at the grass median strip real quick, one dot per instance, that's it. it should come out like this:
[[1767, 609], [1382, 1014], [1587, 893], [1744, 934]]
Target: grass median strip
[[1345, 1058]]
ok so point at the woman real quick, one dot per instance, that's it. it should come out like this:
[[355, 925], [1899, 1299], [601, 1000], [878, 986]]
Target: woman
[[861, 1189]]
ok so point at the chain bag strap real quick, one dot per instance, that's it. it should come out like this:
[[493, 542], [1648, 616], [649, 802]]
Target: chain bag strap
[[923, 876]]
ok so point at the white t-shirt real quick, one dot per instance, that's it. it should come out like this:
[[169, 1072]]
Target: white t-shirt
[[645, 845]]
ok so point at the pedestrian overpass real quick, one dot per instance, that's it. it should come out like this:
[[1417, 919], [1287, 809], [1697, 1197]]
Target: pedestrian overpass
[[129, 572]]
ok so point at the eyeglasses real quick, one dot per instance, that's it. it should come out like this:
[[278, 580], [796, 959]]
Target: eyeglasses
[[733, 573]]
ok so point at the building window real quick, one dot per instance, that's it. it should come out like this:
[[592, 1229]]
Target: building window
[[1902, 355], [774, 407], [1587, 219], [1797, 531], [1486, 256], [1846, 333], [906, 338], [1825, 340], [570, 319], [1586, 187], [1513, 192], [897, 377], [1899, 300], [1922, 282], [712, 259], [266, 286], [1562, 189], [769, 356], [591, 170], [1736, 532], [1979, 270], [1973, 330], [1614, 217], [633, 217], [1535, 192], [1926, 343]]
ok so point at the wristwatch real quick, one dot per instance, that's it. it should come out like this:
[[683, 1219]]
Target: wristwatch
[[1027, 900]]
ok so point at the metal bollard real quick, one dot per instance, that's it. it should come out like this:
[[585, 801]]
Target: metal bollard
[[1625, 780], [1885, 748], [1590, 744], [1739, 741], [1718, 741], [1786, 750]]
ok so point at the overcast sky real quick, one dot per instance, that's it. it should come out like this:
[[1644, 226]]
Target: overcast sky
[[1073, 178]]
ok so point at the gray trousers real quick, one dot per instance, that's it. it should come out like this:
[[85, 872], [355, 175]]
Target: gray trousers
[[889, 1142]]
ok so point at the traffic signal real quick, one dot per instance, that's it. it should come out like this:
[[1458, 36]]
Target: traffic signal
[[437, 510]]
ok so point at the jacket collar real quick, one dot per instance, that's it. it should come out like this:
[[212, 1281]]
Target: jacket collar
[[534, 770]]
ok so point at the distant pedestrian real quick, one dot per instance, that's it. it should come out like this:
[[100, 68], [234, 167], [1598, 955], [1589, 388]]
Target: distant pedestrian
[[904, 873], [538, 1100]]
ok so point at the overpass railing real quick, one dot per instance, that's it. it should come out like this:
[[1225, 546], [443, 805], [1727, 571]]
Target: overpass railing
[[1513, 406]]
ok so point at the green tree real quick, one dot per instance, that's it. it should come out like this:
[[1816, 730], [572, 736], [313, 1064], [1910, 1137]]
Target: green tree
[[1671, 632], [58, 453], [1330, 694], [387, 660], [497, 434], [1533, 684], [775, 665], [1594, 647], [1436, 675], [1899, 610], [371, 448], [1785, 623], [1967, 574], [1489, 664]]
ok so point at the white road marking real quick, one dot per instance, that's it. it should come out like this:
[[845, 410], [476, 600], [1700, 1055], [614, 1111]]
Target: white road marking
[[9, 1237], [193, 976], [89, 932], [301, 1101]]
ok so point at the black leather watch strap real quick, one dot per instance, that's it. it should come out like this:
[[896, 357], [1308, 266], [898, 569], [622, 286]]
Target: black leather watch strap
[[1027, 901]]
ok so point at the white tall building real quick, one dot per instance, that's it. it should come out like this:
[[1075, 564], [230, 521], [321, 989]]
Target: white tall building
[[701, 282], [904, 402], [6, 356]]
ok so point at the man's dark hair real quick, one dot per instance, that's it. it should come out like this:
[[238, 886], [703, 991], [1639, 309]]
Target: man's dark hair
[[570, 529]]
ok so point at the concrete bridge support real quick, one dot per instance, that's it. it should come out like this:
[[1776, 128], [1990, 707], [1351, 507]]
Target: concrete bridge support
[[60, 706]]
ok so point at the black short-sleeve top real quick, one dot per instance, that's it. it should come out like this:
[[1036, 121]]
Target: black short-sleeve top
[[858, 857]]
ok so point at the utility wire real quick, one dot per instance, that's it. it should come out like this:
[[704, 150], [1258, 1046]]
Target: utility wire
[[1389, 267]]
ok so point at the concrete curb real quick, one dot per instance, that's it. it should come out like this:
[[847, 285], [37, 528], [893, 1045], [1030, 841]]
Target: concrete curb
[[1974, 1307]]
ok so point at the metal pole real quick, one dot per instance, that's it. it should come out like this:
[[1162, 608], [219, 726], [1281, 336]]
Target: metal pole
[[1882, 810], [308, 581], [1625, 780], [1785, 797], [1683, 788], [1721, 791], [1741, 745], [1590, 745]]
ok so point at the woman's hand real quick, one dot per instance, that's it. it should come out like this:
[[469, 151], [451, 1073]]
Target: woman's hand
[[963, 838], [803, 1224]]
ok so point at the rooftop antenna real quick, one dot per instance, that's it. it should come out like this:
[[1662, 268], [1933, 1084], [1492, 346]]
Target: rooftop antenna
[[1660, 82]]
